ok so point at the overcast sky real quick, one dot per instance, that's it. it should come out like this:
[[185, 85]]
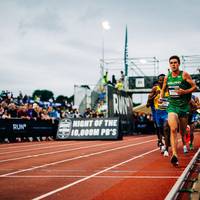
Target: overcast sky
[[55, 44]]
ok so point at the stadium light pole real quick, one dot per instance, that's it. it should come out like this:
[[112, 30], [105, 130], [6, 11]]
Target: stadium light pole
[[105, 27]]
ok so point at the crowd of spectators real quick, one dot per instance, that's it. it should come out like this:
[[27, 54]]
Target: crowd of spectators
[[24, 107]]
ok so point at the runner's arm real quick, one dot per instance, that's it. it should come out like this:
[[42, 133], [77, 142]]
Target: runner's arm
[[187, 78], [151, 96], [164, 87]]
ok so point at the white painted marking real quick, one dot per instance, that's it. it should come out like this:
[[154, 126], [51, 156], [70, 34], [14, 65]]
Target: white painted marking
[[53, 143], [42, 143], [75, 158], [108, 177], [46, 147], [24, 145], [93, 175], [54, 152]]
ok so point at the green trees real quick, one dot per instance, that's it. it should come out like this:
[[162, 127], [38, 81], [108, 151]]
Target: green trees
[[63, 99], [43, 95], [46, 95]]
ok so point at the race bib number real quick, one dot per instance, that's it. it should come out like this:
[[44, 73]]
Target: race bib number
[[163, 105], [173, 93]]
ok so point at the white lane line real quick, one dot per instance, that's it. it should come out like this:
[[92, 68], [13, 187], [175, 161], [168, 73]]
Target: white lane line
[[65, 144], [27, 144], [46, 147], [34, 144], [108, 177], [74, 158], [113, 171], [54, 152], [93, 175], [53, 143], [37, 143], [60, 151], [92, 171]]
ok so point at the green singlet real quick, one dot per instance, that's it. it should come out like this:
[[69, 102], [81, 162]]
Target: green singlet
[[178, 103]]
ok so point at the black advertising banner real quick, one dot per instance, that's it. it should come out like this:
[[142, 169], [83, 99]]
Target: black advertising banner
[[120, 105], [89, 129], [12, 128]]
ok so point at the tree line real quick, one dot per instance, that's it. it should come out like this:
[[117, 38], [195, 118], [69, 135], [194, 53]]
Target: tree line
[[46, 95]]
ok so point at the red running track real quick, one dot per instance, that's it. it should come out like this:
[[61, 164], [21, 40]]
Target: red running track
[[132, 168]]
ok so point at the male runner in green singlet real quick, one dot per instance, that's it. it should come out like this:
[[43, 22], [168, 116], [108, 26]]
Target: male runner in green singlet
[[178, 108]]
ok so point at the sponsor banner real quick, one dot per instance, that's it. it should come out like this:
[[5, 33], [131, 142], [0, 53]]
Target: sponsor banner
[[120, 105], [94, 128], [27, 128]]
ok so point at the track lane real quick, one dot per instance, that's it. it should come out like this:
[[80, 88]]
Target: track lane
[[95, 150], [54, 183], [45, 148], [125, 175], [40, 149], [22, 145], [157, 184]]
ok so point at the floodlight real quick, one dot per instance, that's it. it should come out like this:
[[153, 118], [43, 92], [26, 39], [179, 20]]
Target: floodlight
[[106, 25]]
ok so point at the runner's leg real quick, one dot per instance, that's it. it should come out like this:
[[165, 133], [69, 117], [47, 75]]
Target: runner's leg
[[173, 124]]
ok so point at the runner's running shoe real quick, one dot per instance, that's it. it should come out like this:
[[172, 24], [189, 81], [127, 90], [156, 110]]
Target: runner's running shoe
[[191, 147], [162, 149], [166, 153], [185, 150], [174, 160]]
